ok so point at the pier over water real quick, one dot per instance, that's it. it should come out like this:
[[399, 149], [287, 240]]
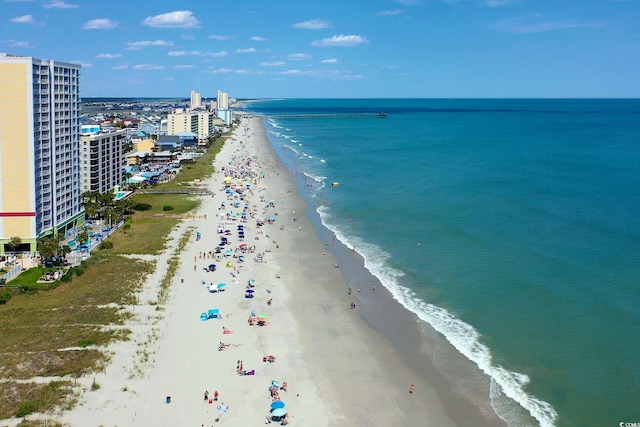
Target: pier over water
[[380, 115]]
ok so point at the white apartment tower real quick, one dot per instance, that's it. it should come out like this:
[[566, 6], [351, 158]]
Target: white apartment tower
[[223, 100], [40, 187], [196, 100]]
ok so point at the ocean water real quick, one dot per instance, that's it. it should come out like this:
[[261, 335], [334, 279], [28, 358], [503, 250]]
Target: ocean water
[[512, 227]]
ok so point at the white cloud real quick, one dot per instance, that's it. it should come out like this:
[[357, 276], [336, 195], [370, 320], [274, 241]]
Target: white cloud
[[82, 64], [120, 67], [184, 67], [341, 41], [536, 25], [108, 55], [393, 12], [187, 37], [20, 44], [273, 64], [248, 50], [312, 24], [142, 44], [216, 54], [100, 24], [221, 71], [24, 19], [295, 72], [298, 56], [148, 67], [183, 53], [58, 4], [177, 19], [258, 39], [220, 37], [329, 61]]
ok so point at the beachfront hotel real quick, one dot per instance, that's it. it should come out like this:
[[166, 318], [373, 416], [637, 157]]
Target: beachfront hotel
[[102, 159], [202, 123], [40, 186], [223, 108]]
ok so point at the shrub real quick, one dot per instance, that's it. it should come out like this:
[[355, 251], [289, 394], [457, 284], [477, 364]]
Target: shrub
[[5, 297], [107, 244], [142, 206], [167, 208], [26, 408], [86, 342]]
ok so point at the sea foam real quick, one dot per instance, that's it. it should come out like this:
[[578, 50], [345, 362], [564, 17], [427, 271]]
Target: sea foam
[[460, 334]]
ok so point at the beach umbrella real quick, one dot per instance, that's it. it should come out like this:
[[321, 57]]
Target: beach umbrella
[[249, 291], [213, 287], [279, 412], [221, 285], [277, 404]]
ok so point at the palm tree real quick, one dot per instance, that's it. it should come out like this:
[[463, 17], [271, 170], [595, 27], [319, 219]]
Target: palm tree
[[14, 243]]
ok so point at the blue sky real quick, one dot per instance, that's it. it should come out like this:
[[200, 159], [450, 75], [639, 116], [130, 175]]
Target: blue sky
[[345, 48]]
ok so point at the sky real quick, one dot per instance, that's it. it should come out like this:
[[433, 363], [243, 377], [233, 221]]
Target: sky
[[336, 49]]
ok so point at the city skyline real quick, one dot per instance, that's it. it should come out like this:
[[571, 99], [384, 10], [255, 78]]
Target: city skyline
[[361, 49]]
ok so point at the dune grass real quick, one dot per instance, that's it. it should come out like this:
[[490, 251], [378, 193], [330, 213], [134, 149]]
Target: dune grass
[[61, 330]]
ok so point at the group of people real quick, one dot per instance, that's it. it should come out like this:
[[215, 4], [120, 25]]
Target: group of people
[[211, 400]]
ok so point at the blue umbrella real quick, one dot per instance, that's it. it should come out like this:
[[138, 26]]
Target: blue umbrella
[[277, 404], [279, 412], [249, 291]]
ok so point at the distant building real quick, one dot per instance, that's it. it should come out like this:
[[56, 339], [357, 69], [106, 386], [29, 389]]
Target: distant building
[[40, 186], [196, 100], [223, 100], [223, 108], [199, 122], [102, 160]]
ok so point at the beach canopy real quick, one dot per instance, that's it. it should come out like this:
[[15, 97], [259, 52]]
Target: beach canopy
[[277, 404]]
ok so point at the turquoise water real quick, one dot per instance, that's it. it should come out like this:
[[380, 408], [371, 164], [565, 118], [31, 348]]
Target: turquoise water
[[510, 226]]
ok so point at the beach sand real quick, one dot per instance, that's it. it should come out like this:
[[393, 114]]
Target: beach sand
[[339, 370]]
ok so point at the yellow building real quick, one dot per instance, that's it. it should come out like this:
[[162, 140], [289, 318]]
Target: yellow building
[[145, 145], [202, 123], [40, 187]]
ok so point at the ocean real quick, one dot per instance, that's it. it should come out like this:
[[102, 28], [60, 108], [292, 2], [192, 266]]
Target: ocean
[[509, 226]]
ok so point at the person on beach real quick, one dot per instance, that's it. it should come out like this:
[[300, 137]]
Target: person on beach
[[215, 396], [412, 389], [206, 395]]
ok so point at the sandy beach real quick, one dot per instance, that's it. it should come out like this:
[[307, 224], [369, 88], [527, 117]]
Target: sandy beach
[[338, 370]]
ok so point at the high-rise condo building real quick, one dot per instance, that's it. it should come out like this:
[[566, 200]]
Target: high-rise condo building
[[102, 159], [196, 100], [40, 186], [223, 100]]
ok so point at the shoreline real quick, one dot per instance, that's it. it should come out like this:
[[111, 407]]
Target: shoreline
[[416, 343], [340, 369]]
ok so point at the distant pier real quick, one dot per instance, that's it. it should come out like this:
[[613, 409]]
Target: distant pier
[[330, 116]]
